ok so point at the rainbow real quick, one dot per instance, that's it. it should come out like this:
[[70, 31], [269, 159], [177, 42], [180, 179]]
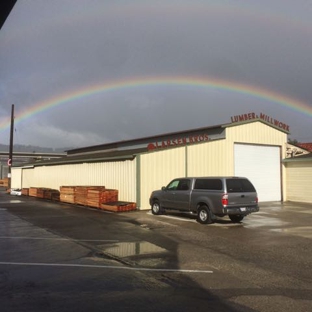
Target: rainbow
[[187, 82]]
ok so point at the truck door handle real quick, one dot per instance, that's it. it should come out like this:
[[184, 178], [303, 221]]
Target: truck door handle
[[242, 195]]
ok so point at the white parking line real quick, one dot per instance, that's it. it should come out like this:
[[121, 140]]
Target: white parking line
[[61, 239], [105, 267]]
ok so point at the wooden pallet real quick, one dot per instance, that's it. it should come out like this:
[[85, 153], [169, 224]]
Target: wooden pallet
[[119, 206]]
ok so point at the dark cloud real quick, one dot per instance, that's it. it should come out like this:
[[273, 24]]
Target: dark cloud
[[52, 48]]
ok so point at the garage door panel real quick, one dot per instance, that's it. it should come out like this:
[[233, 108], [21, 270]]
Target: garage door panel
[[260, 164]]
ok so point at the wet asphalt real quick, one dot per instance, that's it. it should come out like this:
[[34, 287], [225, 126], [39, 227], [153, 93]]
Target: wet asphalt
[[61, 257]]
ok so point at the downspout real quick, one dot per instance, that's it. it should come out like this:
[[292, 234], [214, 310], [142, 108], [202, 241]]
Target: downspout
[[138, 181], [186, 162]]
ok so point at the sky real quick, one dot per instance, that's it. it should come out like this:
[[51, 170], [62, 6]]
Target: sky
[[90, 72]]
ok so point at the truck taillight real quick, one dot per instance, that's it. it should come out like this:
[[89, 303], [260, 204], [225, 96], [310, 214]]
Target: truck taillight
[[225, 199], [257, 199]]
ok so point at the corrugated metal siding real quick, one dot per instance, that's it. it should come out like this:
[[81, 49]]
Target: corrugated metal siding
[[257, 133], [299, 181], [113, 175], [16, 178], [157, 169], [212, 158], [27, 177]]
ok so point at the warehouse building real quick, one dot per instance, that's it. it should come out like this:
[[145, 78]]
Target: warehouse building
[[251, 145]]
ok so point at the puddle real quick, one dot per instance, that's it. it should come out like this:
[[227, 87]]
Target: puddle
[[13, 201], [262, 221], [129, 249], [305, 231]]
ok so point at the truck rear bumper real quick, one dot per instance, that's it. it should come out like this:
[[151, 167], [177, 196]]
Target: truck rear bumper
[[240, 210]]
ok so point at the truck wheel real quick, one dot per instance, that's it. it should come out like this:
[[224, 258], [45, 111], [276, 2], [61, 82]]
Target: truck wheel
[[204, 215], [156, 209], [236, 218]]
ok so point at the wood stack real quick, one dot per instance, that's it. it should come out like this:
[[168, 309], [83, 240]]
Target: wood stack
[[94, 195], [51, 194], [55, 195], [109, 195], [67, 194], [81, 195], [25, 191], [36, 192], [4, 182], [119, 206]]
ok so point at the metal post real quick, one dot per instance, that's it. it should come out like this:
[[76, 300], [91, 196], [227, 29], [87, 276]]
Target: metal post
[[10, 161]]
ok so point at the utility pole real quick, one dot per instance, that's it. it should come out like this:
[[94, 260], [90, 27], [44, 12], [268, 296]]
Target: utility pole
[[10, 160]]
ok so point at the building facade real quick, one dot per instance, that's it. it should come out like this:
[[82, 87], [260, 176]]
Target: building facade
[[254, 148]]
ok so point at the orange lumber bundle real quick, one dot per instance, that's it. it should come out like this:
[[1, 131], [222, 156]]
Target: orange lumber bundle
[[4, 182], [119, 206], [25, 191], [55, 195], [109, 195], [81, 195], [67, 194], [51, 194], [94, 196], [36, 192], [47, 193]]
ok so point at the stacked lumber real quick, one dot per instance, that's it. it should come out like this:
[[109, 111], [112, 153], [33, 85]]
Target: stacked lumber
[[94, 196], [109, 195], [119, 206], [55, 195], [36, 192], [81, 195], [51, 194], [4, 182], [67, 194], [25, 191]]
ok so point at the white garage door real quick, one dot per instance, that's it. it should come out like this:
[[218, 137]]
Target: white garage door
[[260, 164]]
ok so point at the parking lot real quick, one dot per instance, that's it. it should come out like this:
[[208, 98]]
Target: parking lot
[[64, 257]]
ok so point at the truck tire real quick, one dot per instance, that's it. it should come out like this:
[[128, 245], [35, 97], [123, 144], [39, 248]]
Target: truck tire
[[156, 209], [236, 218], [204, 215]]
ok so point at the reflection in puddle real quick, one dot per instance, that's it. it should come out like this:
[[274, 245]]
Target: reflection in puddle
[[305, 231], [13, 201], [128, 249], [262, 221]]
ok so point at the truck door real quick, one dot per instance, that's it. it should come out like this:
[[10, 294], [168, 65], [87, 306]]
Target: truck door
[[182, 195], [169, 194]]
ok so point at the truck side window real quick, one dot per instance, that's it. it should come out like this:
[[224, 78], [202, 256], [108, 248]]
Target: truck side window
[[184, 185], [208, 184], [173, 185]]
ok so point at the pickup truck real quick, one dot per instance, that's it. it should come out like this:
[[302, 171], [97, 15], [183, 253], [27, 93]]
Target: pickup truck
[[207, 198]]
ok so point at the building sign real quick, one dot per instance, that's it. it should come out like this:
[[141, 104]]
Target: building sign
[[176, 142], [252, 116]]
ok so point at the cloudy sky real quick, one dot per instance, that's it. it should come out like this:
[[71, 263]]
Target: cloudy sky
[[87, 72]]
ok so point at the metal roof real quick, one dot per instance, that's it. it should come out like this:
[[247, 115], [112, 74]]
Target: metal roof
[[129, 149]]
